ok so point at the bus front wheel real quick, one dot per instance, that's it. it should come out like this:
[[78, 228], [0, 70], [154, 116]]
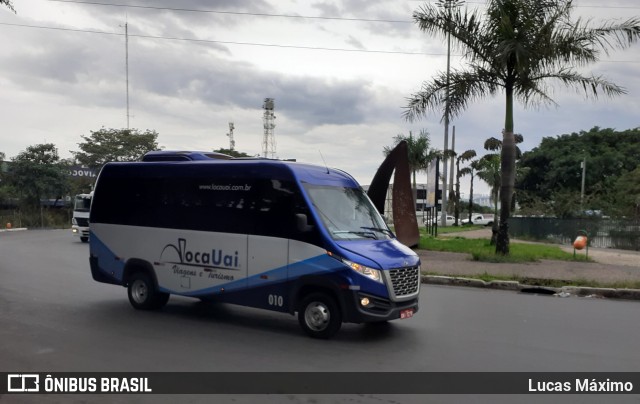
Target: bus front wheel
[[143, 294], [319, 316]]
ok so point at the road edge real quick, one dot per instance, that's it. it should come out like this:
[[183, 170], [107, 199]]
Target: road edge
[[565, 291]]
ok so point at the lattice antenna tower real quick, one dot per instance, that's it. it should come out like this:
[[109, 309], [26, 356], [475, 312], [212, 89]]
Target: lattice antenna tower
[[232, 143], [268, 141]]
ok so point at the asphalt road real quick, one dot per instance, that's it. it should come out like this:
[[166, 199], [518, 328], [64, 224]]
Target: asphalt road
[[55, 318]]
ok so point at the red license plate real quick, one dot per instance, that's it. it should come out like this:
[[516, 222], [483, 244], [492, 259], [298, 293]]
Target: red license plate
[[406, 313]]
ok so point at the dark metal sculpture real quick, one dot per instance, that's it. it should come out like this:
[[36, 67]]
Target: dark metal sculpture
[[404, 210]]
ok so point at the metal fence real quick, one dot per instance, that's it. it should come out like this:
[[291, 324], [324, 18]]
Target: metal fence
[[604, 233], [44, 218], [9, 219]]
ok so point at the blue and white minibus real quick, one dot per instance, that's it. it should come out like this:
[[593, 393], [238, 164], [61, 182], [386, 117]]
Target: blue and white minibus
[[270, 234]]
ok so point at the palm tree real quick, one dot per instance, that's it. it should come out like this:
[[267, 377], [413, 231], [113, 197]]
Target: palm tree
[[472, 171], [516, 49], [464, 157], [8, 4], [420, 153], [488, 170], [495, 145]]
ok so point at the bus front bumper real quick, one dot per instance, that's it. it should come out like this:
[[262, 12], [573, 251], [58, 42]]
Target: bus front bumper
[[365, 308]]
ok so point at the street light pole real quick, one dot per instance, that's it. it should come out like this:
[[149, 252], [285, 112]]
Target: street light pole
[[583, 165], [448, 4]]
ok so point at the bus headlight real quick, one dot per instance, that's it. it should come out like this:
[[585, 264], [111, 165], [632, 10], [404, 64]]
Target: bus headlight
[[370, 273]]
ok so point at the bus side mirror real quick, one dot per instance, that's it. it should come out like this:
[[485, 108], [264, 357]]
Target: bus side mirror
[[302, 224]]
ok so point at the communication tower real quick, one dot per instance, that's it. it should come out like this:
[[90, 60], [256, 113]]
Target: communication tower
[[269, 141], [232, 143]]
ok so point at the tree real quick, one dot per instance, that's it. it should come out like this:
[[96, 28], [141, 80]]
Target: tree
[[489, 171], [492, 175], [516, 49], [420, 152], [107, 145], [464, 157], [471, 170], [8, 4], [495, 145], [2, 157], [2, 168], [232, 153], [628, 194], [553, 170], [38, 173]]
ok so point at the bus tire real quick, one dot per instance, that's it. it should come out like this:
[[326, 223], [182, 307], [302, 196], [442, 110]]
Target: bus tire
[[143, 294], [319, 316]]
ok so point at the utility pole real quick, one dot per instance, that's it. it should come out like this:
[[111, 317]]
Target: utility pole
[[451, 171], [449, 5], [126, 46], [443, 214], [583, 165]]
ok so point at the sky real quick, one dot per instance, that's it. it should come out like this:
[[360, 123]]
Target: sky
[[339, 71]]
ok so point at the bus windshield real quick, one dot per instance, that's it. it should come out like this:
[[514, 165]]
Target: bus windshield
[[82, 203], [347, 213]]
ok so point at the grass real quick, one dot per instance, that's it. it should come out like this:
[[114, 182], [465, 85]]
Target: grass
[[481, 250], [453, 229]]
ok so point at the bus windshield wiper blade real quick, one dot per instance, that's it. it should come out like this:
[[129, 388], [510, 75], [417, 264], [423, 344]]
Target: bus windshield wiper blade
[[380, 229], [366, 234]]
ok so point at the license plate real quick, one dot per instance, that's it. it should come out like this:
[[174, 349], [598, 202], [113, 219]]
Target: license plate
[[406, 313]]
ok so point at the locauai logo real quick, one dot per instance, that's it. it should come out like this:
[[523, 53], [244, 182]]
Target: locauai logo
[[213, 258]]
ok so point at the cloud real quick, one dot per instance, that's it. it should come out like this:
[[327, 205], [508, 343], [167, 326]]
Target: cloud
[[58, 85]]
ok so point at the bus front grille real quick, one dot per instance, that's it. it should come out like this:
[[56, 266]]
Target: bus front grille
[[405, 281]]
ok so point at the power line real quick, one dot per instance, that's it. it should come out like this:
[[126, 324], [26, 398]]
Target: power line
[[226, 42], [352, 19], [191, 10], [313, 48], [484, 3]]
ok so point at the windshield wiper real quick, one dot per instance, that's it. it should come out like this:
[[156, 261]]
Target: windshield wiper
[[366, 234], [381, 230]]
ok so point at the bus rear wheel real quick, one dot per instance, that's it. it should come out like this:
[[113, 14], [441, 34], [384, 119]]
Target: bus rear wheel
[[319, 316], [143, 294]]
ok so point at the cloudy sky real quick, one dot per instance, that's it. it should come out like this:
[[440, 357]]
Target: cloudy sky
[[339, 71]]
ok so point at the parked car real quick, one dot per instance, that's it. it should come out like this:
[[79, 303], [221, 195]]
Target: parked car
[[486, 220], [450, 220]]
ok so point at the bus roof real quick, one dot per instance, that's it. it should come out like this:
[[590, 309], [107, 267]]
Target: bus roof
[[303, 172]]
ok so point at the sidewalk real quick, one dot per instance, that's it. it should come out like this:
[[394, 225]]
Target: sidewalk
[[610, 266]]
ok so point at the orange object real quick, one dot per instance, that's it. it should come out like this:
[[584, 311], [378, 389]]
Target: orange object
[[8, 225], [580, 243]]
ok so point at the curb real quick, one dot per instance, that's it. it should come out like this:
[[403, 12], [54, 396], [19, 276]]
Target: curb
[[565, 291], [17, 229]]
